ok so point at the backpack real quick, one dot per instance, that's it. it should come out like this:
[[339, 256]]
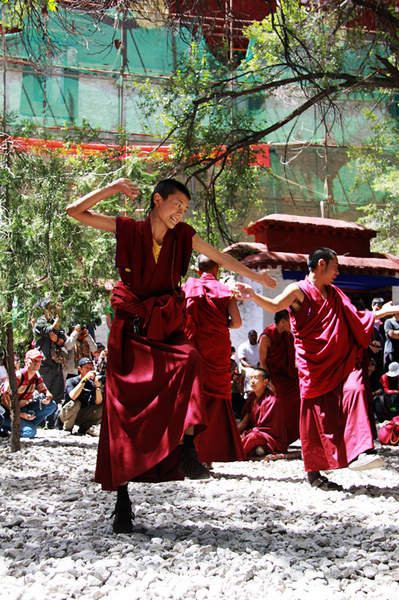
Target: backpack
[[389, 432]]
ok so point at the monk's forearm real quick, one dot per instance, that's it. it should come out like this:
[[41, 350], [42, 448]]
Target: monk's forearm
[[386, 311], [234, 265], [86, 202], [266, 303]]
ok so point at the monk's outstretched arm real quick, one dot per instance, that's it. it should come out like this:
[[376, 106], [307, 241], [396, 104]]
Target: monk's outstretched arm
[[80, 209], [387, 310], [230, 263], [291, 296]]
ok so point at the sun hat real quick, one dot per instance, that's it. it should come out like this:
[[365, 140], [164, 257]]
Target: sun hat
[[34, 354], [393, 370]]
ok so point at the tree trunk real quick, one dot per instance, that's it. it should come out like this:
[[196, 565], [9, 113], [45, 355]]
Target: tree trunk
[[15, 438]]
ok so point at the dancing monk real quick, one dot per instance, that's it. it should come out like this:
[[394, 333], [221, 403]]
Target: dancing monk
[[210, 311], [330, 339], [152, 387]]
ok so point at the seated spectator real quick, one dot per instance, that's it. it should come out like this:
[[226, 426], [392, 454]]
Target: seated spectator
[[83, 400], [390, 386], [262, 425], [35, 400]]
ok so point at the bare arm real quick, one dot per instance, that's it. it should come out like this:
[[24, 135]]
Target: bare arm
[[77, 390], [80, 209], [235, 317], [292, 295], [387, 310], [230, 263], [264, 345]]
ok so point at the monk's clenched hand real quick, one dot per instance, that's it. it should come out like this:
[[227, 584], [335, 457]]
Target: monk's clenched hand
[[126, 186]]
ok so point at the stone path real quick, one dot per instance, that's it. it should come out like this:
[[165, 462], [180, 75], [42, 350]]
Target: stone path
[[253, 530]]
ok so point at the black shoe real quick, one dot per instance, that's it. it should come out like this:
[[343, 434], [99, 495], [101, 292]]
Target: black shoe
[[123, 517], [190, 466]]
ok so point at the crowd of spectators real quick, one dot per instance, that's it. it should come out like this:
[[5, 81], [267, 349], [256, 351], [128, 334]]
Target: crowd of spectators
[[62, 382]]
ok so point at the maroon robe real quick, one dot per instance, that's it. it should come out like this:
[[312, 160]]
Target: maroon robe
[[330, 339], [284, 375], [266, 417], [207, 318], [152, 384]]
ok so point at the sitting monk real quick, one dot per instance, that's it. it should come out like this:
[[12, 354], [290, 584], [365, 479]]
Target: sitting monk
[[262, 426]]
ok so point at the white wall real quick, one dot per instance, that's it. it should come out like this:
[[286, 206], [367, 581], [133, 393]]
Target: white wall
[[254, 317]]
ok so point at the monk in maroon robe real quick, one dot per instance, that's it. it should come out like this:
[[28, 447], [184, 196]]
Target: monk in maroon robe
[[330, 339], [210, 311], [153, 407], [262, 426], [277, 356]]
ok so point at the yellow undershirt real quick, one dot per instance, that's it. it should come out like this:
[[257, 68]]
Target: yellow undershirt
[[156, 249]]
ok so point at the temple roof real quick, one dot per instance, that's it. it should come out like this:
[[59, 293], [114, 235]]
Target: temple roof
[[309, 223], [256, 255]]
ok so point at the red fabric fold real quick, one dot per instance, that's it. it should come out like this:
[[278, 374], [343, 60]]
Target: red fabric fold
[[267, 425], [152, 384], [330, 339], [330, 335], [207, 329], [284, 375]]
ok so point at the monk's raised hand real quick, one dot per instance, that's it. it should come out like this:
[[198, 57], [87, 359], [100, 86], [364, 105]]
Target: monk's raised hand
[[126, 186], [266, 280], [243, 291]]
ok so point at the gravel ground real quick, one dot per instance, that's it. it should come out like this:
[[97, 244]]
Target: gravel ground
[[255, 529]]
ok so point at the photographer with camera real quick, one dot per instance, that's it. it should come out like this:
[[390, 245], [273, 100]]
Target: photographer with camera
[[49, 339], [83, 400], [36, 403]]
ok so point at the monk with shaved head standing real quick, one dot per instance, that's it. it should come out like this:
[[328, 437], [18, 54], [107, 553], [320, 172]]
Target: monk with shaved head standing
[[330, 339]]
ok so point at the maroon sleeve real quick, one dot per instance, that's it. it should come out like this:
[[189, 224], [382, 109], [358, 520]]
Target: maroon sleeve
[[184, 235], [125, 232]]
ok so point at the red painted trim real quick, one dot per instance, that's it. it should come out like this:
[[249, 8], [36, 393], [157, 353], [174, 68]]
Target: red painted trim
[[262, 158]]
